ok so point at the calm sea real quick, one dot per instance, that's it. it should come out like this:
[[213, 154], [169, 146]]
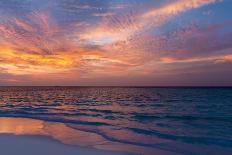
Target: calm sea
[[178, 120]]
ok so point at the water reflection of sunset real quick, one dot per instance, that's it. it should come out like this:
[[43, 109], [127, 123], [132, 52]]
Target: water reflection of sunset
[[64, 134], [58, 131], [21, 126]]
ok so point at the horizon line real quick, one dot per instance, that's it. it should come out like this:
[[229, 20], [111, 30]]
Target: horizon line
[[218, 86]]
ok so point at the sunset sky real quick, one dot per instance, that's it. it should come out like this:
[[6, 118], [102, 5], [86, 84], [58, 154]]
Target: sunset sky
[[116, 42]]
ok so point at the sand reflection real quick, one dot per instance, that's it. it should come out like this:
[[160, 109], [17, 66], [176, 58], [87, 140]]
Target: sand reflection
[[21, 126], [64, 134], [57, 131]]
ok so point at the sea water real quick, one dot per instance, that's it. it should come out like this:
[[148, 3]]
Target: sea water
[[169, 118]]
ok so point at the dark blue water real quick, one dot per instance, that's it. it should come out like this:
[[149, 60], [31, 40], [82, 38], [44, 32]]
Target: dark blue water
[[148, 117]]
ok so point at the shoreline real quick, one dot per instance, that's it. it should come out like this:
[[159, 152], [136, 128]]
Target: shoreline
[[26, 136], [37, 145], [25, 132]]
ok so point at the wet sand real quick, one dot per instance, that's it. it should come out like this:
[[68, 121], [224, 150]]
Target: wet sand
[[37, 145], [26, 136]]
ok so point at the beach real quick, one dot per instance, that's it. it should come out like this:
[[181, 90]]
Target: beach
[[30, 136], [36, 145], [26, 136]]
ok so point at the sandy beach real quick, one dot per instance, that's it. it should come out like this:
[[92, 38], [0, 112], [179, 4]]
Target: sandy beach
[[36, 145], [27, 136], [34, 137]]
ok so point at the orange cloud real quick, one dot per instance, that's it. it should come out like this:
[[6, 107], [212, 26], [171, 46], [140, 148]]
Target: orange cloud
[[216, 59], [176, 7], [36, 45], [128, 28]]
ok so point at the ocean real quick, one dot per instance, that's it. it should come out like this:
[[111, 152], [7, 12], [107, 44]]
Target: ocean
[[174, 119]]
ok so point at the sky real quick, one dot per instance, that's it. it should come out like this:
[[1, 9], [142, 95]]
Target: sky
[[116, 42]]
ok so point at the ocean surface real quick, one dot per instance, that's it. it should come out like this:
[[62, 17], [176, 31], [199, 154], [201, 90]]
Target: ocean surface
[[176, 120]]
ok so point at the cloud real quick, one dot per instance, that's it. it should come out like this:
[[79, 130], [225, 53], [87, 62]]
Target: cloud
[[194, 41], [176, 7], [104, 14], [130, 25], [38, 43], [35, 44], [215, 59], [121, 43]]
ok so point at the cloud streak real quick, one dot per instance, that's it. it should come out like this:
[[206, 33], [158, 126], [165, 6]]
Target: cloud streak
[[176, 7]]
